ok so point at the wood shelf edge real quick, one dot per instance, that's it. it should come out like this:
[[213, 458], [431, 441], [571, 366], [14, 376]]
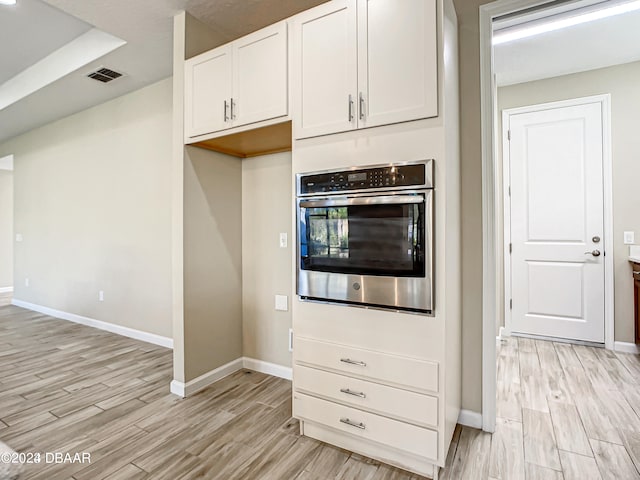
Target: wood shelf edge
[[252, 143]]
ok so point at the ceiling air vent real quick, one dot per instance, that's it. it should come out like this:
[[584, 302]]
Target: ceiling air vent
[[104, 75]]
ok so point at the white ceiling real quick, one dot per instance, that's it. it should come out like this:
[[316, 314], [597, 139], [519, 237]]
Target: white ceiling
[[34, 19], [602, 43], [38, 28]]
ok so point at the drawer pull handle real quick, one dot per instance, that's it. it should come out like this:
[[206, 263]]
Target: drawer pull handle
[[360, 425], [351, 392], [353, 362]]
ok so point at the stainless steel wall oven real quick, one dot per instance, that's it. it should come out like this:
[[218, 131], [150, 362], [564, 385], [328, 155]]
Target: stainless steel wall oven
[[365, 236]]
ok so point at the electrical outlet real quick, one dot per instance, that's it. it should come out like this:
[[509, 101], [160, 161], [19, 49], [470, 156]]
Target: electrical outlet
[[101, 296], [282, 303], [629, 238], [291, 339], [18, 237], [283, 240], [26, 282]]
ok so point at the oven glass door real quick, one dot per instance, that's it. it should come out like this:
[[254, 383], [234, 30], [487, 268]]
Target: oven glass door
[[380, 235]]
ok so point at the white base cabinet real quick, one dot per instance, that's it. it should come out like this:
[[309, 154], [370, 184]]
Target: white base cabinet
[[375, 396], [382, 394]]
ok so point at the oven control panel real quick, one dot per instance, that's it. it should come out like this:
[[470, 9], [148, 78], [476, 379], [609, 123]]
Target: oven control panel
[[384, 177]]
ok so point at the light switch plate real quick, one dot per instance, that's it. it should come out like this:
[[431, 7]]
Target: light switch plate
[[283, 240], [18, 237], [629, 238], [282, 303]]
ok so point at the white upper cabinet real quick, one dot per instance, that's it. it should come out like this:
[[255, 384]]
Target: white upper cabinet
[[208, 92], [397, 61], [326, 77], [237, 84], [364, 63], [260, 75]]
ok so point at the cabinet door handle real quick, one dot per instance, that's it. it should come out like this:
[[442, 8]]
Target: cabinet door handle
[[353, 362], [233, 114], [361, 105], [351, 392], [350, 108], [226, 114], [359, 425]]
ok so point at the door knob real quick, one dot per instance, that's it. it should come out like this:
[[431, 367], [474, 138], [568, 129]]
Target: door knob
[[595, 253]]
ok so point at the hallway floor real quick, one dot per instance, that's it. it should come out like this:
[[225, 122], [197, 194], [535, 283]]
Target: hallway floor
[[564, 412]]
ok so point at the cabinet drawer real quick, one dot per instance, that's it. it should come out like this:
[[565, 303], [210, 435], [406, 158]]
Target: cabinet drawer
[[384, 367], [402, 436], [401, 404]]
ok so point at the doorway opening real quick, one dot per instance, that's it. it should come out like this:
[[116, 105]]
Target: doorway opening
[[541, 63]]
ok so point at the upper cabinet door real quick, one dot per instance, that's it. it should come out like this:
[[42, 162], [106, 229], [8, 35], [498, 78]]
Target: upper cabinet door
[[208, 91], [397, 61], [260, 75], [325, 69]]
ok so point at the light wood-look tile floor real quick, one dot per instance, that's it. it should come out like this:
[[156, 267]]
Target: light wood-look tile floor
[[564, 412], [72, 389], [5, 298]]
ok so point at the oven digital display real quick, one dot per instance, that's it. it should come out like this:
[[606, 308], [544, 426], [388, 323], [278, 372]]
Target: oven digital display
[[357, 177]]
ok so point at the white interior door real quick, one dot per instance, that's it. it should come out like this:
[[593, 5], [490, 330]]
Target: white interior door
[[557, 225]]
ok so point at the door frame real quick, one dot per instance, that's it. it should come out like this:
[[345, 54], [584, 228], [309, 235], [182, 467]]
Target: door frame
[[605, 107]]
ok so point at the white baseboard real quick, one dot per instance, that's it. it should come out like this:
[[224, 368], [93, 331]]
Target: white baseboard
[[268, 368], [470, 419], [99, 324], [501, 334], [6, 289], [185, 389], [625, 347], [192, 386]]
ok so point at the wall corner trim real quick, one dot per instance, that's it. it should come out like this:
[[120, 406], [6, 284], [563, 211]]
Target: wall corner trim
[[99, 324], [6, 289], [471, 419], [268, 368], [625, 347], [178, 388]]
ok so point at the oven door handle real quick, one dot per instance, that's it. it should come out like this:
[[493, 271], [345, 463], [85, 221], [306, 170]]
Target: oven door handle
[[346, 202]]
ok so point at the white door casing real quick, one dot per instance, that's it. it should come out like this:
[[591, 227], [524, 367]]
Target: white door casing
[[555, 156]]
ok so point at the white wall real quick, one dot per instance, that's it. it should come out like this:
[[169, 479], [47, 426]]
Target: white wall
[[93, 202], [6, 228], [622, 83], [266, 268]]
